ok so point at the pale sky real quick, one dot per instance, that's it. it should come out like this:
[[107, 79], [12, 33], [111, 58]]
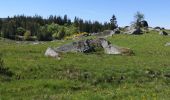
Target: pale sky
[[156, 11]]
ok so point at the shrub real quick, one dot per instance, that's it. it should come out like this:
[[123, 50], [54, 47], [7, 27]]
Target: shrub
[[55, 31], [55, 35], [138, 18], [20, 31], [61, 33], [27, 35], [44, 35]]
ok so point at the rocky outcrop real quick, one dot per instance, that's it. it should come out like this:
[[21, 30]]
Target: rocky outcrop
[[163, 33], [136, 31], [117, 31], [105, 33], [109, 48], [87, 46], [133, 31], [157, 29], [150, 29], [144, 23]]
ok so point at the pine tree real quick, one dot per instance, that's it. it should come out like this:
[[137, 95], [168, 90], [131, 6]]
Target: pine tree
[[113, 23]]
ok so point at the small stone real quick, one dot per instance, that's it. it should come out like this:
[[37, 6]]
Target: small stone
[[51, 53]]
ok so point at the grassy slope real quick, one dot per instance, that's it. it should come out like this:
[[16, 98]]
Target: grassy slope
[[79, 76]]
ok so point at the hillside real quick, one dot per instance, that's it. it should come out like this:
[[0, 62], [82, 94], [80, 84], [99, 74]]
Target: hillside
[[78, 76]]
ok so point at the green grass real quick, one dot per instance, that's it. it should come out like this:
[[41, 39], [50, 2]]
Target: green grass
[[80, 76]]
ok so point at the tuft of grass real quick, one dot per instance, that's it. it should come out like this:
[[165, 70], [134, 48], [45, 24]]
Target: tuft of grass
[[5, 73]]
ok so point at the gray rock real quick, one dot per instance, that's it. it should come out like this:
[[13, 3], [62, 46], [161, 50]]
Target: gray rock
[[163, 33], [144, 23], [151, 29], [127, 27], [137, 31], [52, 53], [162, 28], [167, 44], [66, 48], [112, 50], [108, 48], [35, 43], [133, 31], [157, 29], [79, 46], [116, 31], [87, 46], [105, 33]]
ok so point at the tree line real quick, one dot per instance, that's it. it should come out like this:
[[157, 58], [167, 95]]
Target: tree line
[[54, 27]]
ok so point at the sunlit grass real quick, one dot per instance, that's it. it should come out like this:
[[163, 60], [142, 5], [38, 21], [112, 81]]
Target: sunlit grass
[[88, 76]]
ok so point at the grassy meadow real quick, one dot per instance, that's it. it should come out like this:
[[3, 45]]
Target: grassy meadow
[[78, 76]]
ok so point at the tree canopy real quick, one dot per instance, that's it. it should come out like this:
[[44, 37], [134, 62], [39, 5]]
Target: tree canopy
[[53, 27], [138, 18]]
